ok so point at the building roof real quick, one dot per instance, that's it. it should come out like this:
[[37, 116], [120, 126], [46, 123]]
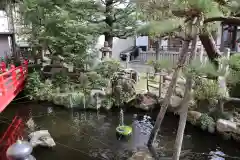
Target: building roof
[[6, 33]]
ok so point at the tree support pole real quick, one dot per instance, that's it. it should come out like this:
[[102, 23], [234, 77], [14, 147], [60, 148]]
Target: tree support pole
[[171, 88], [184, 106]]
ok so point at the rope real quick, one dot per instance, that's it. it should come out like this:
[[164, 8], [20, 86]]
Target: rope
[[78, 150], [21, 102], [93, 137], [20, 98], [63, 145]]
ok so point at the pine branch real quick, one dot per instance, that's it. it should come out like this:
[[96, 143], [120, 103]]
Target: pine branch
[[225, 20]]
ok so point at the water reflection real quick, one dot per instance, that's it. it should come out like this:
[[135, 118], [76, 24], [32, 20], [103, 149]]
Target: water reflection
[[94, 134]]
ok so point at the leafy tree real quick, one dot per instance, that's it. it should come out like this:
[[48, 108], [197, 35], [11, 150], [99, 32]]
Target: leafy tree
[[115, 18], [60, 27]]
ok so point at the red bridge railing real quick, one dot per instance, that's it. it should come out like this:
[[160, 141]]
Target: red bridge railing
[[11, 135], [11, 83]]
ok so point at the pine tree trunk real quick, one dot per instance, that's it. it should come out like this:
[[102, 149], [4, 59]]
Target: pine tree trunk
[[171, 88], [184, 106], [210, 47], [109, 39], [158, 45]]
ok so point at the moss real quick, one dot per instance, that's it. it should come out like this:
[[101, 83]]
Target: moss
[[205, 121]]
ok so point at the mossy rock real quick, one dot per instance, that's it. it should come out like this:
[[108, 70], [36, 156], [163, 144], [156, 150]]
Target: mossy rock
[[69, 100]]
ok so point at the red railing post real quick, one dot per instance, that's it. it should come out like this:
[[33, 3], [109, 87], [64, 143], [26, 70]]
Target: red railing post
[[14, 76], [21, 73], [3, 67], [2, 86], [25, 67]]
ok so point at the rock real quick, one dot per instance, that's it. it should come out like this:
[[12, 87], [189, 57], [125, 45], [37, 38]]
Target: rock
[[175, 101], [141, 155], [193, 116], [147, 102], [96, 98], [31, 125], [69, 100], [179, 91], [133, 74], [211, 127], [41, 138], [227, 126]]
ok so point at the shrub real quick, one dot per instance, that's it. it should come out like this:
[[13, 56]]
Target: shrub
[[107, 68], [204, 121], [207, 90]]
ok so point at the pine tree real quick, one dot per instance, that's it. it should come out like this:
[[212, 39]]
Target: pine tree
[[115, 18], [174, 16]]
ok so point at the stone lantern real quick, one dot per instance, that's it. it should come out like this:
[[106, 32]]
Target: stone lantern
[[106, 51], [21, 150]]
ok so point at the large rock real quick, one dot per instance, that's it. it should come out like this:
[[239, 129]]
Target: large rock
[[193, 116], [227, 126], [69, 100], [146, 101], [41, 138], [175, 101]]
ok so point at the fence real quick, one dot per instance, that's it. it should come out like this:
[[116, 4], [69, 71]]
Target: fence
[[171, 56]]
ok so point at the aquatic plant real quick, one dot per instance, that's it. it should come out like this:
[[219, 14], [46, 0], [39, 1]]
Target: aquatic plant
[[204, 121]]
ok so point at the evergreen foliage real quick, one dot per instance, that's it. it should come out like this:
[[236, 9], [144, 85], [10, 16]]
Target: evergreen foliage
[[164, 17]]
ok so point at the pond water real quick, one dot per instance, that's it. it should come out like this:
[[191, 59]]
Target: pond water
[[91, 135]]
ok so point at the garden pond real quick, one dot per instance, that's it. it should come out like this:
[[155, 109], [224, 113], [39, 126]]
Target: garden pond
[[88, 135]]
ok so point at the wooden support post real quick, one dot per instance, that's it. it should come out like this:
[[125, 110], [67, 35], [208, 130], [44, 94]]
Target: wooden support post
[[14, 76], [21, 74], [3, 67], [147, 82], [160, 85]]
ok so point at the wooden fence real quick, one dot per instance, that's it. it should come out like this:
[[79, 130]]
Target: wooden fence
[[171, 56]]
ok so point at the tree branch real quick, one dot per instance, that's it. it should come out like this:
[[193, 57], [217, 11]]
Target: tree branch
[[210, 47], [226, 20]]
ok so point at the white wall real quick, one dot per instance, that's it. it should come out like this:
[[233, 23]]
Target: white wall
[[118, 45], [4, 45]]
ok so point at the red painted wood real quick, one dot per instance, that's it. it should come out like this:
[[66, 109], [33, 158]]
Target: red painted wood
[[11, 83], [3, 67], [11, 135]]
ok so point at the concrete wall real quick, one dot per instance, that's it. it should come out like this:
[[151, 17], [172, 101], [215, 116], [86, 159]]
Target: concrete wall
[[4, 45]]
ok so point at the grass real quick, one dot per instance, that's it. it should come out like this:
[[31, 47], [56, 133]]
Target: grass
[[142, 84]]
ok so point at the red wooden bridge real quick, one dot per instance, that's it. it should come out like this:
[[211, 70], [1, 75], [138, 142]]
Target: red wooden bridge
[[11, 82]]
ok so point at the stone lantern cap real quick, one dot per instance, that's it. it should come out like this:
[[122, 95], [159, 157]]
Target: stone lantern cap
[[19, 150]]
